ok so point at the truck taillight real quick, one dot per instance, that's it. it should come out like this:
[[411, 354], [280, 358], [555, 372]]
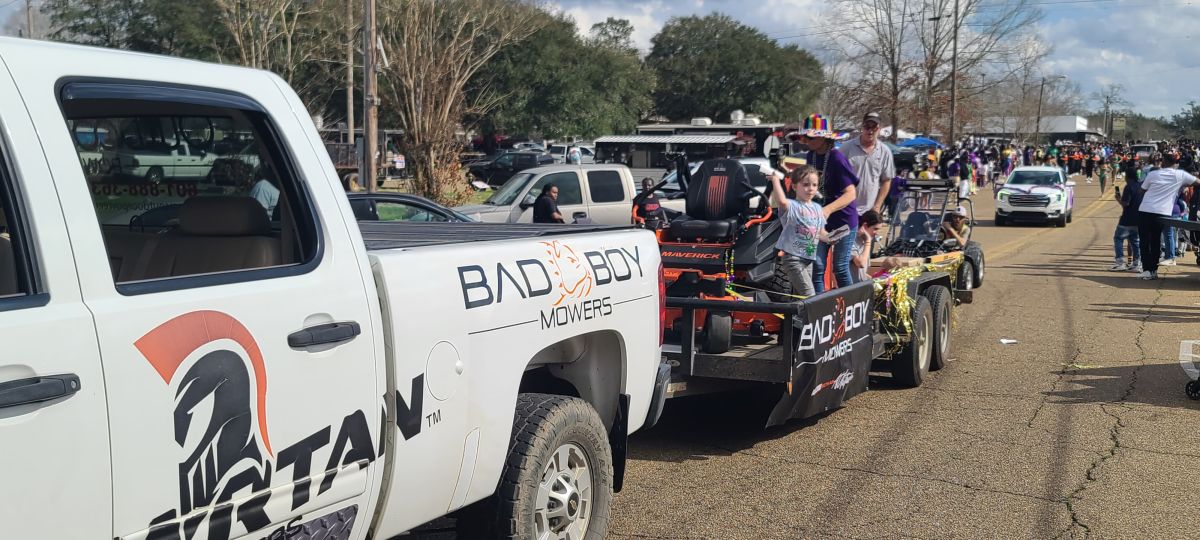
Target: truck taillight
[[662, 304]]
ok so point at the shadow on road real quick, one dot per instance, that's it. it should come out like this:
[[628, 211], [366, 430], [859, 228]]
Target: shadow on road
[[1137, 312], [700, 427], [1156, 384]]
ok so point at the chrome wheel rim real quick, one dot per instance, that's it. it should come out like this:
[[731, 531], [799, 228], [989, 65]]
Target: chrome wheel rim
[[564, 499], [925, 348]]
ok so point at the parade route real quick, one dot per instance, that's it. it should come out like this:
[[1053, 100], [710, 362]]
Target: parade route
[[1081, 429]]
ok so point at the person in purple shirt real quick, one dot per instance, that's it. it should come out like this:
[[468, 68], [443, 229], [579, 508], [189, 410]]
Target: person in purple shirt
[[839, 191]]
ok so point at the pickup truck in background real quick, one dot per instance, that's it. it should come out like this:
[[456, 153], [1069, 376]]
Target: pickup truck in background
[[601, 193], [259, 367]]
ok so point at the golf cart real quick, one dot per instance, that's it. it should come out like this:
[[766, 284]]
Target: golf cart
[[915, 231]]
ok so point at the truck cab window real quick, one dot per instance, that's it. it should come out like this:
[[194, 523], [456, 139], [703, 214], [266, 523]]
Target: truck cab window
[[16, 270], [184, 189], [568, 187]]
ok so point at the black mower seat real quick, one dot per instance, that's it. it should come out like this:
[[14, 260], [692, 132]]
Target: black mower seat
[[685, 229]]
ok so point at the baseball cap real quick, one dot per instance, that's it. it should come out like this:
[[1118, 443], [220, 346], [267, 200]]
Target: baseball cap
[[871, 117], [961, 211]]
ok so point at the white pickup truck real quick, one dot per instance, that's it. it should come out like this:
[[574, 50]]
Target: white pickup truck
[[235, 372], [603, 193]]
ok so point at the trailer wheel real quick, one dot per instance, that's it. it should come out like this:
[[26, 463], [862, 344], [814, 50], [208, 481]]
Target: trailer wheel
[[940, 304], [911, 364], [557, 480], [718, 332]]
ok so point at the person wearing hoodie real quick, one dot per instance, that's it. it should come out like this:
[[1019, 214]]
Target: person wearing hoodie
[[1127, 226]]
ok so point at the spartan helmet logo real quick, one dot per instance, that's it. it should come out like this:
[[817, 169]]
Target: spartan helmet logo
[[217, 406], [574, 279]]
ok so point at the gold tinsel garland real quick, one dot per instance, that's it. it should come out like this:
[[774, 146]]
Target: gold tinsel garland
[[893, 304]]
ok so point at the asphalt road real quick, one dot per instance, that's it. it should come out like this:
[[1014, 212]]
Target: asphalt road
[[1079, 430]]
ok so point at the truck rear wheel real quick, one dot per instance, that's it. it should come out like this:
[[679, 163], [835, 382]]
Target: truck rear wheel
[[939, 300], [780, 285], [557, 480], [911, 364]]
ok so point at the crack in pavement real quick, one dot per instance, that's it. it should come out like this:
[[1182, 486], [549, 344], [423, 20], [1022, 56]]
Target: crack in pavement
[[1062, 374], [1114, 432]]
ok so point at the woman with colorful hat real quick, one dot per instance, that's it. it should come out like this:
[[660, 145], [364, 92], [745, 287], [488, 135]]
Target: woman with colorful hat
[[839, 190]]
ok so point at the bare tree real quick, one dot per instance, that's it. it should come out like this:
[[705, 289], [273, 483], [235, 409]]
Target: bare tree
[[435, 47], [881, 46], [300, 40], [986, 33]]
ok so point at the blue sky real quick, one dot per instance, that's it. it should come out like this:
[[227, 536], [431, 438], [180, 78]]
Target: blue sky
[[1145, 45]]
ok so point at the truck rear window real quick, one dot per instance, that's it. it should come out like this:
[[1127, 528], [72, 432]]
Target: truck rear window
[[184, 188]]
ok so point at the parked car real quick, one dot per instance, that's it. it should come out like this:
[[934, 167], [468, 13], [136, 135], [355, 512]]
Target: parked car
[[401, 207], [602, 193], [1036, 194], [907, 159], [559, 151], [495, 171], [529, 146], [308, 377]]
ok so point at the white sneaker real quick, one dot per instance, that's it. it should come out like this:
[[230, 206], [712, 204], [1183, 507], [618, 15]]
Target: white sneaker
[[1118, 267], [1168, 262], [1135, 267], [1148, 275], [1089, 181]]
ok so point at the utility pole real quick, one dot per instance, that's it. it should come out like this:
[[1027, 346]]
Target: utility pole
[[370, 99], [29, 19], [1038, 128], [350, 71], [954, 77]]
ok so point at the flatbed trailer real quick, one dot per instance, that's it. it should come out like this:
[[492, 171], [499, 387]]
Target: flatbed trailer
[[839, 338]]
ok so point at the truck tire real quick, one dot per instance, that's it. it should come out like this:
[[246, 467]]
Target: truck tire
[[999, 220], [718, 332], [558, 457], [1061, 221], [154, 176], [941, 304], [911, 364]]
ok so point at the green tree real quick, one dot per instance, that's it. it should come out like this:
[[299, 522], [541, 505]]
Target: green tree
[[555, 83], [185, 29], [1187, 122], [613, 34], [713, 65]]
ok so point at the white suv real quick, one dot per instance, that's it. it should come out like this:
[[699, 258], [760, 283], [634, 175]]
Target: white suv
[[1036, 194]]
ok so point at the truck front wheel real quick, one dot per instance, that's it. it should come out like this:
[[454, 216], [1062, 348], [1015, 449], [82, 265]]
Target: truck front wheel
[[557, 481]]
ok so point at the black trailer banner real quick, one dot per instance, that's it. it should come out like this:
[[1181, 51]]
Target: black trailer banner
[[833, 357]]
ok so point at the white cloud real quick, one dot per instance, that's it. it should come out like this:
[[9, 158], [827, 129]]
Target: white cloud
[[1147, 49]]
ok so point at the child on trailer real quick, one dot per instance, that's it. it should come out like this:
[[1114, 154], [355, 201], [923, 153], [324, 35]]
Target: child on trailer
[[803, 225]]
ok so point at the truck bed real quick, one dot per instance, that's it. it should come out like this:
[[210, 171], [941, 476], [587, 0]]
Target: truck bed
[[401, 234]]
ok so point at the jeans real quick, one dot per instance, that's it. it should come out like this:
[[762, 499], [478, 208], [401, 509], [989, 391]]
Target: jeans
[[841, 263], [1122, 234], [799, 272], [1150, 230], [1169, 243]]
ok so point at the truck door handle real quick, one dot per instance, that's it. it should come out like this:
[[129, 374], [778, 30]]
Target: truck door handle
[[37, 389], [324, 334]]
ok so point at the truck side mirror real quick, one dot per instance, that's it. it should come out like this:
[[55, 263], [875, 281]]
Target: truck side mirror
[[527, 202]]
